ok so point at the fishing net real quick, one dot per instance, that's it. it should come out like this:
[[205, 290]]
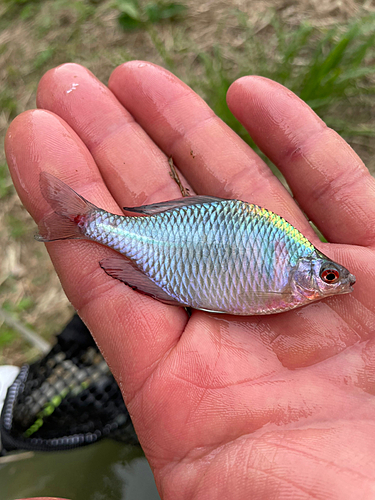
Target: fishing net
[[67, 399]]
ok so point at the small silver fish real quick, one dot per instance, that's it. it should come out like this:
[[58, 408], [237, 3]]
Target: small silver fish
[[203, 252]]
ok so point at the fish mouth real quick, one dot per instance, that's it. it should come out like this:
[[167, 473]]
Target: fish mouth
[[349, 283], [352, 279]]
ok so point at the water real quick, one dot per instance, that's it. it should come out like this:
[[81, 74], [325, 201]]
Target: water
[[107, 470]]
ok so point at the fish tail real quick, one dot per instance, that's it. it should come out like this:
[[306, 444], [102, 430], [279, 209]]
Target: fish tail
[[71, 211]]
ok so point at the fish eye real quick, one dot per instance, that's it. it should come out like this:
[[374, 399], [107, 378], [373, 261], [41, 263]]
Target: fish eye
[[330, 275]]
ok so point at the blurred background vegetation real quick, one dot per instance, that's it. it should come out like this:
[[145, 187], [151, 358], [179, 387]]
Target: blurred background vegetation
[[323, 50]]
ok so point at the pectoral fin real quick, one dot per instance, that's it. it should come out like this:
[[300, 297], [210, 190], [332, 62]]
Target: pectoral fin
[[124, 270]]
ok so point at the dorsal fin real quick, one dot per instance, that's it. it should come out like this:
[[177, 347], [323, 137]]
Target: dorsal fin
[[163, 206]]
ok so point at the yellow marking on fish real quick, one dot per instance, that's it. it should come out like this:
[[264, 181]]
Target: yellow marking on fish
[[284, 225]]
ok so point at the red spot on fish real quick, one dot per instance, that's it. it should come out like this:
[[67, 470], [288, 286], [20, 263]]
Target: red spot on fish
[[79, 219]]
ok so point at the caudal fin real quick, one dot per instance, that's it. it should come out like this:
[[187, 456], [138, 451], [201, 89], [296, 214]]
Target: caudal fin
[[70, 210]]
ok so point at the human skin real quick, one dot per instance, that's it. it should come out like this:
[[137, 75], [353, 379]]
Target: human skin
[[262, 407]]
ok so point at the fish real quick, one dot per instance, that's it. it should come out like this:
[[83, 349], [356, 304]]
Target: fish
[[202, 252]]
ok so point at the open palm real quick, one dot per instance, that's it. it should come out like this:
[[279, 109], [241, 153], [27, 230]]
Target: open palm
[[263, 407]]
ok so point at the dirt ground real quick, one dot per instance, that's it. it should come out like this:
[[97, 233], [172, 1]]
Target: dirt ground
[[29, 288]]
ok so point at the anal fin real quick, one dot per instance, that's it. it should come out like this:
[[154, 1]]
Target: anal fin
[[124, 270]]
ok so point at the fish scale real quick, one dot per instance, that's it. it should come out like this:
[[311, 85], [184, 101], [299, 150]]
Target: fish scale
[[207, 253], [247, 274]]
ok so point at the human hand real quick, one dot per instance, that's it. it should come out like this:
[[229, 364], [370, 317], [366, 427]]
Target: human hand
[[225, 407]]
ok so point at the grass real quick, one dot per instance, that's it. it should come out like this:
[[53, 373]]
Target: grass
[[329, 64], [7, 337], [331, 69], [12, 345], [23, 304], [136, 15], [6, 186]]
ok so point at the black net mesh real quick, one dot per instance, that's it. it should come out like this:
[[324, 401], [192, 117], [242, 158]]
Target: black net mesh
[[67, 399]]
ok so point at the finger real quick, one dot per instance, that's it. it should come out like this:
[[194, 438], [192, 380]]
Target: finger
[[329, 180], [133, 167], [133, 331], [179, 121], [211, 156]]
